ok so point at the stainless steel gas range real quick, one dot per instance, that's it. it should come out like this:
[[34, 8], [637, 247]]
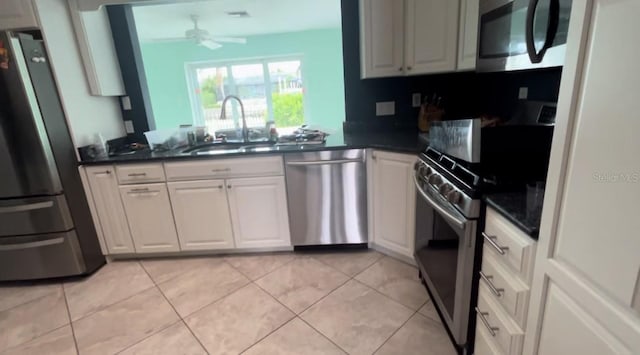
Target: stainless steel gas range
[[464, 161]]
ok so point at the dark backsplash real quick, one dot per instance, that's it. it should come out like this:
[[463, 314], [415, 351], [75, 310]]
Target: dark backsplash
[[465, 94]]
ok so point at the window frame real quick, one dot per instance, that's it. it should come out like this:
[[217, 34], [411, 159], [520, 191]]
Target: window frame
[[191, 75]]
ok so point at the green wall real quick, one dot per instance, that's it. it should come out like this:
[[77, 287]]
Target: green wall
[[322, 73]]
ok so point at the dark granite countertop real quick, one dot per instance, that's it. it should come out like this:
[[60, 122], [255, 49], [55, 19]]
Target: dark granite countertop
[[404, 142], [513, 206]]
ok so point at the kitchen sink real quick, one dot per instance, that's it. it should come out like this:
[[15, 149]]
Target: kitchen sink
[[220, 148]]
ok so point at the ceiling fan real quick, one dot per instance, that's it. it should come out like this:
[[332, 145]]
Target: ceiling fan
[[203, 37]]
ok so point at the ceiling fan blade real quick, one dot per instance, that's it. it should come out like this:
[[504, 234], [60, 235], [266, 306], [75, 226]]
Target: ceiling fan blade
[[168, 39], [239, 40], [210, 44]]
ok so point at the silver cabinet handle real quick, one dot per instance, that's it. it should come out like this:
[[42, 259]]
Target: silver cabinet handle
[[324, 162], [482, 315], [220, 186], [137, 174], [228, 186], [143, 190], [27, 207], [487, 279], [102, 172], [30, 245], [492, 241], [220, 170]]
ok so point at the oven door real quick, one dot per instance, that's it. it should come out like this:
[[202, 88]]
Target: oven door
[[445, 245], [522, 34]]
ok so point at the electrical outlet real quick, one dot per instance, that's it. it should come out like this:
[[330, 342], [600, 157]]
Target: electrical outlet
[[523, 93], [126, 103], [416, 99], [385, 108], [128, 127]]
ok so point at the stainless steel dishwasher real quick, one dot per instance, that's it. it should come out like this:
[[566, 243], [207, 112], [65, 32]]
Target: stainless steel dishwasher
[[327, 196]]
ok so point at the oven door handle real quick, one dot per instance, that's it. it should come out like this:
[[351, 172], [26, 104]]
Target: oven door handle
[[461, 224]]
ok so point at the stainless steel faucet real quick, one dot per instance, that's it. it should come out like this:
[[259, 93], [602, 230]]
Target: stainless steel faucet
[[245, 129]]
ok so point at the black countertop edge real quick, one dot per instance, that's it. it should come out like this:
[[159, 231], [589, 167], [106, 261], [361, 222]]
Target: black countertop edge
[[513, 206], [401, 143]]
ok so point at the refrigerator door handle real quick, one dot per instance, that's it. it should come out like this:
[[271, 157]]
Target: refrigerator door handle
[[31, 245], [33, 106], [27, 207]]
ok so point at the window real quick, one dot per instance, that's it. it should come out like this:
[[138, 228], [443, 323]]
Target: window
[[270, 89]]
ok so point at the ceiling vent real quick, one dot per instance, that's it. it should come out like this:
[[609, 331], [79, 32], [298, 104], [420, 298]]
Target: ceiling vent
[[238, 14]]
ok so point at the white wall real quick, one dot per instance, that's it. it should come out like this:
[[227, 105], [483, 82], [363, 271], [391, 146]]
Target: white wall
[[86, 115]]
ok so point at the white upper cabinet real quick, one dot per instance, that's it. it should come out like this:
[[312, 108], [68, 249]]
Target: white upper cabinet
[[431, 36], [585, 297], [381, 38], [15, 14], [201, 213], [259, 212], [109, 209], [412, 37], [93, 34], [468, 36], [394, 202], [150, 217]]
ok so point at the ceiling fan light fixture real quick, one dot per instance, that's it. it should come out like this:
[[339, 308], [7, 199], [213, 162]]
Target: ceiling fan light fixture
[[238, 14]]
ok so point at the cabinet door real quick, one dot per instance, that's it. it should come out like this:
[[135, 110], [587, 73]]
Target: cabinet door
[[394, 202], [150, 219], [15, 14], [109, 209], [259, 212], [468, 36], [431, 36], [201, 213], [585, 295], [381, 38]]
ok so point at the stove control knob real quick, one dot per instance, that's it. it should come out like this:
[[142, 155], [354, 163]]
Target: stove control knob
[[435, 179], [454, 197], [427, 171], [445, 189]]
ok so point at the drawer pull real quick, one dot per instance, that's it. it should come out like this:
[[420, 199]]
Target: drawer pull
[[143, 190], [220, 170], [137, 174], [220, 186], [102, 172], [487, 279], [494, 244], [482, 315]]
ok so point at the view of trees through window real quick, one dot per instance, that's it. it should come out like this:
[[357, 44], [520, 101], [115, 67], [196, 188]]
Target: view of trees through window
[[271, 90]]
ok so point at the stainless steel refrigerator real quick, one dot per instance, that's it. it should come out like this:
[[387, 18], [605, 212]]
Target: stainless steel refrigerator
[[46, 228]]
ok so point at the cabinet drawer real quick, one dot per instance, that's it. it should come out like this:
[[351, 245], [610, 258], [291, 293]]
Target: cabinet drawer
[[510, 245], [506, 333], [222, 168], [506, 288], [139, 173]]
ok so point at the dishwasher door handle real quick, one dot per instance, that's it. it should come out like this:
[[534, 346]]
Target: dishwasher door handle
[[324, 162]]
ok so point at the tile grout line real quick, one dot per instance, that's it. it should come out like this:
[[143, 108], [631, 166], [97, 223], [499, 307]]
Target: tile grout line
[[29, 301], [176, 311], [73, 331], [394, 332], [321, 334], [100, 309]]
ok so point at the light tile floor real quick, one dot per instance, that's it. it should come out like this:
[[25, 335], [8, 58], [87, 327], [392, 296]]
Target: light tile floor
[[356, 302]]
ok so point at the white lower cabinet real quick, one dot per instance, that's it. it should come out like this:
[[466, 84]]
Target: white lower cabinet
[[259, 212], [201, 213], [394, 202], [150, 217], [111, 216]]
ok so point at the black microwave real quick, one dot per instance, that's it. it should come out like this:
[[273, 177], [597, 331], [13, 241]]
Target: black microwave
[[522, 34]]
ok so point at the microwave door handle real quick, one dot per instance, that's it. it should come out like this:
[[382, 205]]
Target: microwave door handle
[[552, 29]]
